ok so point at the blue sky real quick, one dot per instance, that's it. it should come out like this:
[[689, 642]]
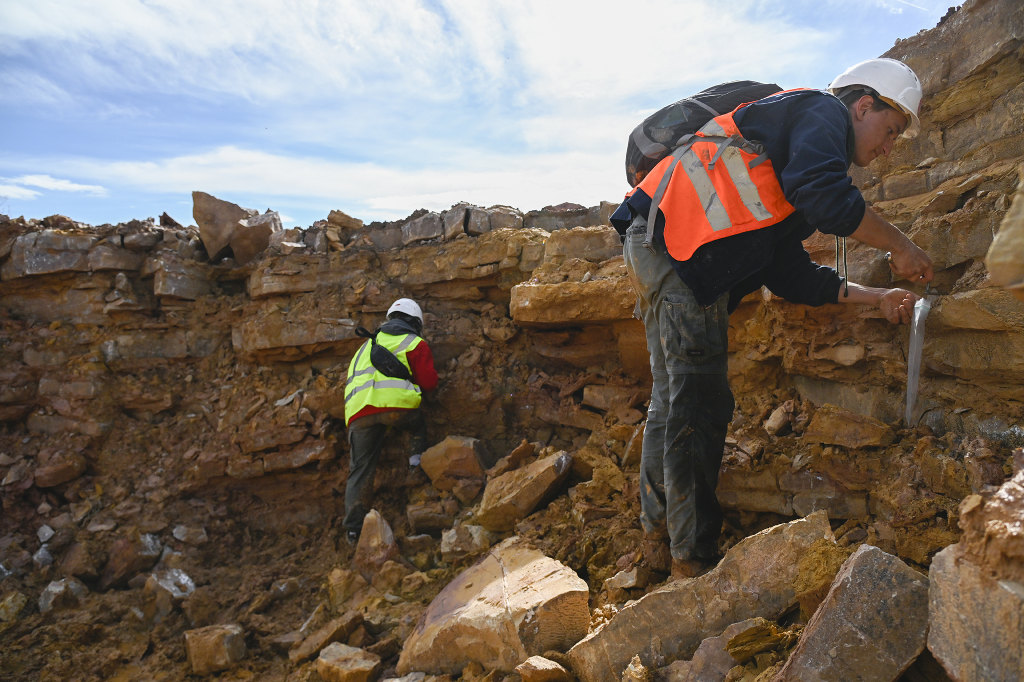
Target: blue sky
[[116, 110]]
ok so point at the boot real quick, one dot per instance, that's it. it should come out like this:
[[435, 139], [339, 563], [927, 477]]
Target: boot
[[689, 568], [656, 554]]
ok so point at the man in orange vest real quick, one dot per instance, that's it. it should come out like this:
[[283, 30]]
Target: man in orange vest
[[376, 402], [723, 216]]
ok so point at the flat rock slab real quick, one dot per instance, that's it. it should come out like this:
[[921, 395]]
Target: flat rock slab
[[512, 604], [342, 663], [757, 577], [833, 425], [976, 623], [514, 495], [871, 626]]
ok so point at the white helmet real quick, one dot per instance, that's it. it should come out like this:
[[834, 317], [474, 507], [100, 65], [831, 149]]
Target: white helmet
[[895, 82], [407, 306]]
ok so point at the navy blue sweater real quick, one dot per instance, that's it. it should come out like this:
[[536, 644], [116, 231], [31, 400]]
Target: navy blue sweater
[[808, 136]]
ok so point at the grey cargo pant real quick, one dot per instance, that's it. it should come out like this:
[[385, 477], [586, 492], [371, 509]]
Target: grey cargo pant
[[366, 440], [691, 403]]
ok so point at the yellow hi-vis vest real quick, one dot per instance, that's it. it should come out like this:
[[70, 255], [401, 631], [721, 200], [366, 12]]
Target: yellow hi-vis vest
[[714, 185], [366, 386]]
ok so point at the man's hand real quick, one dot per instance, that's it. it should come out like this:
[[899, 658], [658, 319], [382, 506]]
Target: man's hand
[[906, 259], [898, 305], [911, 263]]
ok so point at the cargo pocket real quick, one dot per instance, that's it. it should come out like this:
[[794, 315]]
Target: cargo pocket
[[693, 334]]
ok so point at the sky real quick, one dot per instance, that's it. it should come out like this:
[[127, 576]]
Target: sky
[[116, 110]]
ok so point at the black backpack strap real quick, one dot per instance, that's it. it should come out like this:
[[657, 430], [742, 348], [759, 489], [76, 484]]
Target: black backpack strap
[[382, 359]]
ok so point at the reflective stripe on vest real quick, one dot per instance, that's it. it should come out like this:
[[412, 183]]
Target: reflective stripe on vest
[[366, 386], [714, 185]]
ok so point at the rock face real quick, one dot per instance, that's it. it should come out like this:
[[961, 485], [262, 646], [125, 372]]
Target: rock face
[[513, 604]]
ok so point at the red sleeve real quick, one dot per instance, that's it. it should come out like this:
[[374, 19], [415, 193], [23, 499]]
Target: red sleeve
[[421, 361]]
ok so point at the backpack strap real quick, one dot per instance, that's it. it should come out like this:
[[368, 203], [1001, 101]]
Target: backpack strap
[[703, 106], [710, 132], [659, 193], [382, 359], [654, 150]]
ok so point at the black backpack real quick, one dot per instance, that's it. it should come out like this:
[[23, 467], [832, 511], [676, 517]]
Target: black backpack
[[383, 360], [659, 134]]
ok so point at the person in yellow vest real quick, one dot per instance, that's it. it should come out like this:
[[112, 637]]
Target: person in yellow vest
[[387, 378], [723, 215]]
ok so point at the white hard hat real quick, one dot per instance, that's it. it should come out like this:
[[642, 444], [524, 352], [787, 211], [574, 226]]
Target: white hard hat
[[895, 82], [407, 306]]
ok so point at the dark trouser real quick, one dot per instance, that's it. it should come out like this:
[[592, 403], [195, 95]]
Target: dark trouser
[[366, 440], [691, 403]]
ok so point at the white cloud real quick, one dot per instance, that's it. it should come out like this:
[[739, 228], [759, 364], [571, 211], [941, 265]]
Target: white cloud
[[16, 192], [610, 52], [544, 50], [56, 184], [257, 49], [526, 182], [21, 187], [396, 105], [33, 89]]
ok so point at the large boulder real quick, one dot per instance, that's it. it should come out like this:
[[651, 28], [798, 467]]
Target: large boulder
[[515, 494], [223, 224], [976, 589], [512, 604], [1005, 259], [757, 577], [871, 626]]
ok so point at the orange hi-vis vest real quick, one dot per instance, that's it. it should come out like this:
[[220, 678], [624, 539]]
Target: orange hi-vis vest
[[715, 184]]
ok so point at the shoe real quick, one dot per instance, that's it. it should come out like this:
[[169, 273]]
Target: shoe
[[689, 568], [656, 555]]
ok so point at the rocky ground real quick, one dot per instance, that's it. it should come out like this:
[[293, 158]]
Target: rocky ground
[[260, 552]]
